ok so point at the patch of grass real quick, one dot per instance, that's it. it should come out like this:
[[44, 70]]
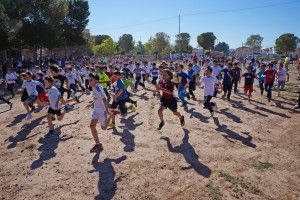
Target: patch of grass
[[261, 165], [30, 147], [214, 191], [240, 182]]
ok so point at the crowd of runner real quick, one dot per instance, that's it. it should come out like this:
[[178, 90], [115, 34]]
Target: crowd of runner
[[113, 82]]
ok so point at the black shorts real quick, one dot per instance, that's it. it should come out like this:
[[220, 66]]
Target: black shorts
[[24, 96], [54, 112], [31, 98], [121, 105], [169, 103]]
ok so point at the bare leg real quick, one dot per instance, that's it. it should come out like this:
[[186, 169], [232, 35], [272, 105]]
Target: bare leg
[[94, 130], [49, 118], [26, 106], [160, 113]]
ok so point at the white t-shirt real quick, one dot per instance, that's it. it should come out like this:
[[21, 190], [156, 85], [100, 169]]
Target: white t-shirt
[[31, 87], [10, 78], [85, 73], [209, 85], [71, 78], [132, 68], [54, 95], [216, 70], [281, 74], [99, 94]]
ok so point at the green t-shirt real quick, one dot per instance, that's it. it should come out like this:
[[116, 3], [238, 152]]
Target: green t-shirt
[[103, 79], [127, 82]]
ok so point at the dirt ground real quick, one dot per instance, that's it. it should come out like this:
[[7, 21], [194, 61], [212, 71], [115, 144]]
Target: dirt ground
[[248, 151]]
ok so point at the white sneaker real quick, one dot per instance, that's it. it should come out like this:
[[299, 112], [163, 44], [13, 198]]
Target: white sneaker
[[28, 117]]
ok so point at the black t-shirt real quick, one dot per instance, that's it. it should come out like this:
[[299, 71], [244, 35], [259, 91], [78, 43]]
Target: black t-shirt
[[236, 73], [59, 81], [249, 79]]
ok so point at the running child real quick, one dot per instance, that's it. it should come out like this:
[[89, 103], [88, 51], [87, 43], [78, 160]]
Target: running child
[[168, 101], [210, 82], [183, 83], [249, 80], [54, 104], [281, 76], [192, 83], [154, 73], [227, 80], [269, 75], [100, 111], [119, 97], [31, 87], [138, 76], [261, 78], [237, 72]]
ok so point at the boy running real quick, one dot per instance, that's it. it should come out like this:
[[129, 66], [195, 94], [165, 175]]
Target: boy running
[[30, 86], [269, 75], [183, 83], [249, 80], [100, 111], [209, 83], [167, 100], [281, 76]]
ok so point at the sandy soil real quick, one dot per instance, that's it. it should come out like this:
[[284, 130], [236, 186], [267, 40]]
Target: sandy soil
[[248, 151]]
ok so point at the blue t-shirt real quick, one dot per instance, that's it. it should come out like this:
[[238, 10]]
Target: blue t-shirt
[[119, 85], [182, 79], [196, 69], [226, 77], [191, 74], [260, 74], [40, 88]]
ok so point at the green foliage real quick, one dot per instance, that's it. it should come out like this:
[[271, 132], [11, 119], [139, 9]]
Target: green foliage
[[286, 43], [100, 38], [223, 47], [261, 165], [4, 29], [107, 48], [44, 23], [139, 48], [125, 43], [206, 40], [214, 191], [254, 41], [182, 43], [160, 44]]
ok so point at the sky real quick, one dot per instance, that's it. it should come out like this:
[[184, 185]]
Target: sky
[[232, 21]]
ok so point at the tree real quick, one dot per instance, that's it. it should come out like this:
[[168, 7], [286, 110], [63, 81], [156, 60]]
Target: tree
[[126, 43], [139, 48], [100, 38], [223, 47], [286, 43], [206, 40], [4, 29], [107, 47], [182, 43], [254, 41], [159, 44], [75, 22]]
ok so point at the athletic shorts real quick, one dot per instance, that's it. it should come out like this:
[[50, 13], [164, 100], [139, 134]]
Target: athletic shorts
[[54, 112], [169, 103], [248, 88], [121, 105], [24, 96], [31, 98], [101, 116]]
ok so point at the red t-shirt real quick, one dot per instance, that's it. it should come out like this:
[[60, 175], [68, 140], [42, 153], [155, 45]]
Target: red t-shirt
[[168, 86], [270, 76]]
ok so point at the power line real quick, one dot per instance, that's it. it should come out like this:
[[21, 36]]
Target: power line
[[202, 13]]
